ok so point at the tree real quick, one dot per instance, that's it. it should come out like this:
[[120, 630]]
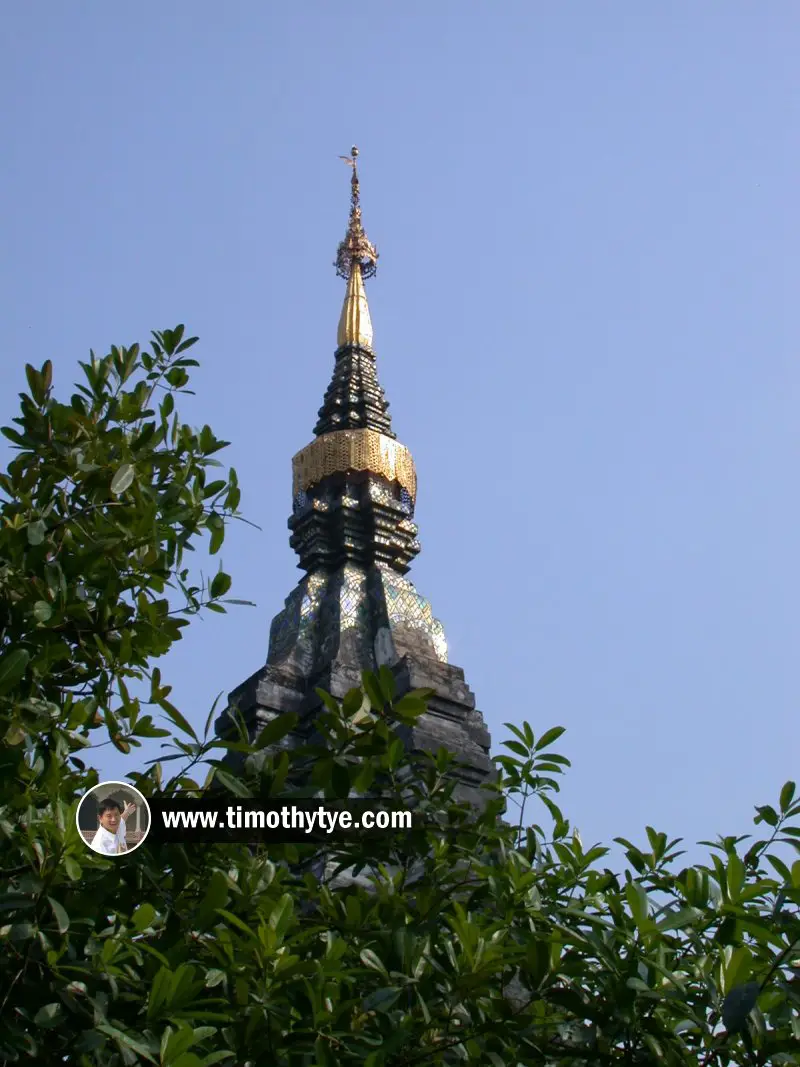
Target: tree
[[477, 941]]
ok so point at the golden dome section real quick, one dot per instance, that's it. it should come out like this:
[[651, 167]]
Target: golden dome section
[[347, 451]]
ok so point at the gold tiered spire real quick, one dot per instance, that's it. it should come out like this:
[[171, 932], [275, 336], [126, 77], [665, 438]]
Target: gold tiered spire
[[355, 325], [356, 260]]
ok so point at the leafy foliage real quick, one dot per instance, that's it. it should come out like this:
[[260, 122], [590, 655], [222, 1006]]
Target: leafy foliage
[[476, 940]]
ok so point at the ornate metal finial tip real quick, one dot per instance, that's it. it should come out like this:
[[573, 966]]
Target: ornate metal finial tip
[[355, 249]]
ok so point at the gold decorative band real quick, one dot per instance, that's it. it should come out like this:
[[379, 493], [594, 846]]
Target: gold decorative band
[[354, 450]]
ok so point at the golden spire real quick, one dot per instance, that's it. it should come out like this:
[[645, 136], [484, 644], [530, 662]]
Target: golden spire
[[356, 260]]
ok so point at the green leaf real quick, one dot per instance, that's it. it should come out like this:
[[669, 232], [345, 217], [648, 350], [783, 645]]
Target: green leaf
[[767, 814], [35, 383], [214, 487], [143, 916], [42, 611], [537, 959], [173, 713], [372, 960], [123, 479], [220, 584], [16, 901], [382, 999], [353, 702], [680, 920], [60, 915], [373, 690], [211, 714], [177, 377], [787, 796], [656, 1050], [175, 1043], [126, 1041], [48, 1016], [548, 737], [780, 867], [207, 440], [518, 747], [281, 915], [216, 526], [329, 701], [638, 903], [276, 730], [159, 992], [15, 436], [233, 785], [738, 967], [19, 931], [737, 1006], [217, 895], [735, 876], [387, 683], [410, 707], [13, 665], [36, 532], [234, 920], [73, 868]]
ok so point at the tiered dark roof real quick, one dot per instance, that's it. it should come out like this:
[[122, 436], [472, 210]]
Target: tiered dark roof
[[354, 399]]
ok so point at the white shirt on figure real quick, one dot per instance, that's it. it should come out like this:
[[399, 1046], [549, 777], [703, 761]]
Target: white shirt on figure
[[110, 844]]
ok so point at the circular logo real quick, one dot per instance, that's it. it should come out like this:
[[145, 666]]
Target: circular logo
[[113, 818]]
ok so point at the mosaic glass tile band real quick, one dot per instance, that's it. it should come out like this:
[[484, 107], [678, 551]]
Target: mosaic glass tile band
[[354, 605], [354, 450], [387, 495], [405, 606]]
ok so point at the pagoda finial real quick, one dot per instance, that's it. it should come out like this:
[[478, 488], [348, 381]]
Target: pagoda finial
[[356, 260], [355, 249]]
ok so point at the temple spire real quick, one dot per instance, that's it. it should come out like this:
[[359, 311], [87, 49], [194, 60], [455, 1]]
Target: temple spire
[[356, 260], [352, 527]]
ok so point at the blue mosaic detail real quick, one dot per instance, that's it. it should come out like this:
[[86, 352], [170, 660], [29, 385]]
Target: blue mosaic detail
[[324, 609], [300, 502]]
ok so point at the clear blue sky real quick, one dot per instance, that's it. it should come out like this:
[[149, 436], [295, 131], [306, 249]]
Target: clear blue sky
[[586, 318]]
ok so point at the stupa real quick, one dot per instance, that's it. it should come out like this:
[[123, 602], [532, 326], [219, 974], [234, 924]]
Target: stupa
[[352, 527]]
